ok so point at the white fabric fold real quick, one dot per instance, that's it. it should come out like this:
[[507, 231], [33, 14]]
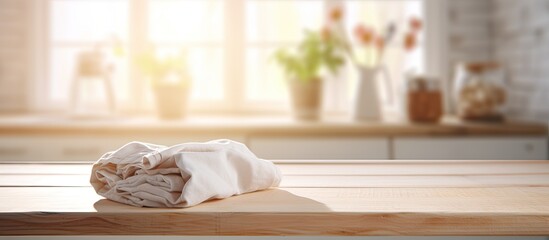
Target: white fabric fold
[[184, 175]]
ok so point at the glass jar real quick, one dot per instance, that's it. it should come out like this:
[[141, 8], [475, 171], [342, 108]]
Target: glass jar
[[424, 99], [479, 92]]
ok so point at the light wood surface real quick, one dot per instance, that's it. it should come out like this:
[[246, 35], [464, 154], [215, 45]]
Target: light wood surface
[[267, 125], [324, 198]]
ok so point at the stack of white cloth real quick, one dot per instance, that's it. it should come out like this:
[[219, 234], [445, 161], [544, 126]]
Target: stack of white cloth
[[183, 175]]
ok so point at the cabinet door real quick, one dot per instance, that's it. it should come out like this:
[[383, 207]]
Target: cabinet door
[[63, 148], [325, 148], [56, 148], [471, 148]]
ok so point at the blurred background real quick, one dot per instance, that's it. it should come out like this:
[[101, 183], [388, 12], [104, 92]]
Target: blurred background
[[413, 79]]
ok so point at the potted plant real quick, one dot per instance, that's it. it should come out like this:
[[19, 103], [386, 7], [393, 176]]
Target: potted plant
[[170, 81], [303, 67]]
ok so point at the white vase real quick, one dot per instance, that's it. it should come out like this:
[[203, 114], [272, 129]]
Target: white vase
[[367, 104]]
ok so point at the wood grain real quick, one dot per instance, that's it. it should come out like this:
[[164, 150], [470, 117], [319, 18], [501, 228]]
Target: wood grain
[[269, 125], [340, 173], [409, 198]]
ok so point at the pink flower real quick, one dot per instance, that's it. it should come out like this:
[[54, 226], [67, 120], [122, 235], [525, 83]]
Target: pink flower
[[415, 24], [410, 41], [335, 14], [364, 34], [380, 43]]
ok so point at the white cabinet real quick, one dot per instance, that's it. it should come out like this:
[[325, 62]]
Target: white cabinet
[[320, 148], [73, 147], [63, 148], [56, 148], [470, 148]]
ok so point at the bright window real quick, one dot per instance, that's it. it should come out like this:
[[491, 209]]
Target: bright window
[[196, 26], [77, 26], [229, 47], [272, 24]]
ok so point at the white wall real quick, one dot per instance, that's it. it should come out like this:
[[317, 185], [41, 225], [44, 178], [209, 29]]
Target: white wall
[[521, 41], [513, 32], [13, 54]]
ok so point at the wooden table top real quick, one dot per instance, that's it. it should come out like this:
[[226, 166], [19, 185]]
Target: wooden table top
[[349, 198]]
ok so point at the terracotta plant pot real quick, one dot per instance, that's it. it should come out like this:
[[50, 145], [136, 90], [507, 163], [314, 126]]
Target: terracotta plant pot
[[171, 101], [306, 99]]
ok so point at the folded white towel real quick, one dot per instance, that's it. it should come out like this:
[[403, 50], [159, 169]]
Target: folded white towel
[[183, 175]]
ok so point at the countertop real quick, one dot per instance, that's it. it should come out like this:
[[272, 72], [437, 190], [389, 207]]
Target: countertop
[[450, 126], [349, 198]]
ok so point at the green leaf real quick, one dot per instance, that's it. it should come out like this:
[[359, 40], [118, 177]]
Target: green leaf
[[312, 55], [157, 69]]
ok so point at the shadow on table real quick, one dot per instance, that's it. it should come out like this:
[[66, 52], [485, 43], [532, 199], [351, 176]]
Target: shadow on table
[[270, 200]]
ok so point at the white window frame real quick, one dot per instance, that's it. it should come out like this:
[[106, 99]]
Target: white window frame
[[435, 13], [234, 46]]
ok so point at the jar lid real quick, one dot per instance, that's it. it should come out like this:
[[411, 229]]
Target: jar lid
[[423, 83]]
